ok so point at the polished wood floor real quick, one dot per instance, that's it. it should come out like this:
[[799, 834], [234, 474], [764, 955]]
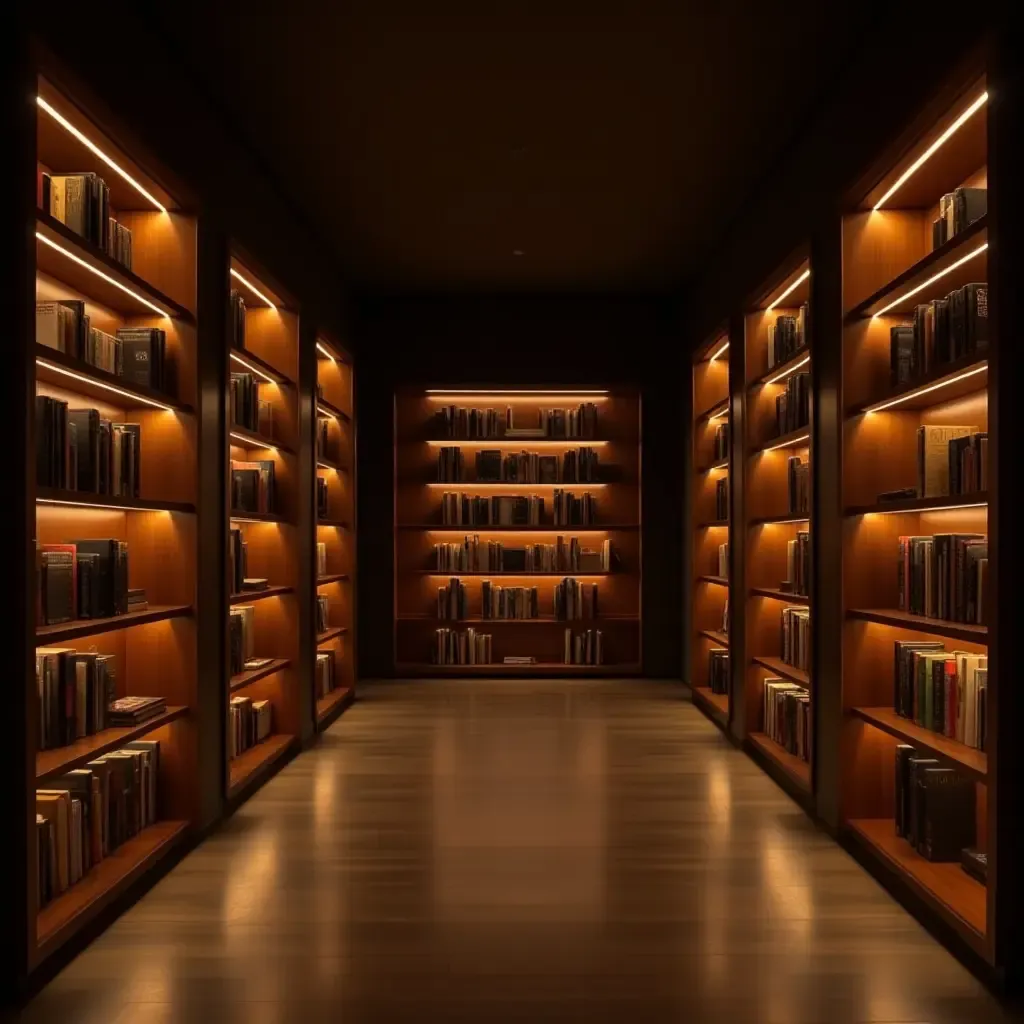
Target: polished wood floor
[[517, 851]]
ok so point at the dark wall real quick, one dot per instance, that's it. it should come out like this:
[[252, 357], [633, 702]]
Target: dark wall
[[577, 341]]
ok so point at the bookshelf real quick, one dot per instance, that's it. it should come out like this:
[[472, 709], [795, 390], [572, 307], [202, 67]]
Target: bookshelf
[[148, 502], [334, 452], [776, 513], [892, 264], [709, 515], [419, 525], [263, 532]]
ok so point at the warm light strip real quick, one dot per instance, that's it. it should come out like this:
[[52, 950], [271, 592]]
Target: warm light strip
[[523, 391], [525, 443], [792, 369], [99, 273], [792, 288], [327, 465], [788, 444], [783, 522], [494, 528], [248, 284], [528, 575], [251, 442], [930, 508], [242, 519], [924, 391], [719, 352], [106, 387], [325, 412], [717, 465], [93, 148], [326, 351], [931, 280], [930, 151], [255, 369], [723, 415], [567, 485], [94, 504]]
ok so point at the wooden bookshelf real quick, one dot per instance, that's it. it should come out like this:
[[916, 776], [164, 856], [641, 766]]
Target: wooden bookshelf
[[890, 266], [154, 648], [418, 502], [335, 459]]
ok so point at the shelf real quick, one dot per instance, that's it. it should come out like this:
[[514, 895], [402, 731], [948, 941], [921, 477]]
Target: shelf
[[964, 376], [780, 595], [718, 581], [938, 260], [716, 410], [63, 371], [487, 575], [720, 464], [795, 769], [717, 704], [245, 678], [556, 668], [239, 435], [337, 524], [248, 596], [784, 669], [330, 634], [257, 761], [779, 520], [779, 372], [472, 485], [922, 623], [48, 635], [336, 577], [939, 504], [82, 902], [548, 620], [82, 499], [799, 438], [945, 887], [717, 635], [970, 761], [66, 269], [88, 748], [552, 529], [239, 516], [322, 463], [326, 706], [326, 407], [714, 524], [243, 357]]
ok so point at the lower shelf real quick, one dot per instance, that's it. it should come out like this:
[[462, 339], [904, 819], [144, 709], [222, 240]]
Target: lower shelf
[[947, 888], [326, 706], [61, 918], [257, 760], [716, 704], [794, 767], [541, 668]]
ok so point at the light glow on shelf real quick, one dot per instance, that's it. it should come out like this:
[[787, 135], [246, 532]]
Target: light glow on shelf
[[100, 274], [248, 284], [244, 519], [250, 442], [719, 352], [481, 484], [106, 387], [496, 528], [324, 350], [929, 508], [933, 148], [575, 442], [96, 504], [785, 522], [790, 443], [791, 370], [513, 391], [330, 465], [924, 391], [789, 291], [254, 369], [321, 411], [93, 148], [931, 280]]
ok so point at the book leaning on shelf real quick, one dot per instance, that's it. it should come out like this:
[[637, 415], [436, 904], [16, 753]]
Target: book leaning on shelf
[[83, 579], [321, 558], [459, 509], [495, 466], [586, 648], [250, 721], [787, 716], [81, 202], [951, 460], [944, 576], [468, 647], [241, 637], [718, 670]]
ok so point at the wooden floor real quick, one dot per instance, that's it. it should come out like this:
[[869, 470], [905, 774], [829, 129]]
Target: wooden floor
[[517, 851]]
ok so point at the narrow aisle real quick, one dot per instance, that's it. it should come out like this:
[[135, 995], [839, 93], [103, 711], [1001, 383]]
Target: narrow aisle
[[517, 850]]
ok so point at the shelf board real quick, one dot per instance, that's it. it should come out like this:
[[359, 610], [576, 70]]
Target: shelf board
[[720, 464], [718, 581], [780, 595], [964, 376], [476, 485], [332, 410], [83, 499], [970, 761], [939, 504], [922, 623], [546, 620], [715, 410], [54, 367], [959, 899], [238, 515], [966, 241], [322, 463], [48, 635], [768, 520], [784, 669], [82, 902], [555, 668], [248, 596], [245, 678], [487, 575], [257, 761], [793, 767], [334, 577], [63, 759], [795, 362], [55, 264], [326, 706], [717, 635], [237, 432], [552, 529], [337, 524], [241, 356], [330, 634], [799, 438], [713, 524], [717, 704]]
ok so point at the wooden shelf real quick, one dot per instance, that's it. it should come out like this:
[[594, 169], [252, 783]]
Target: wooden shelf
[[782, 371], [717, 704], [720, 464], [797, 770], [77, 628], [922, 623], [82, 902], [237, 515], [717, 635], [799, 438], [257, 761], [49, 495], [245, 678], [241, 356], [780, 595], [945, 887], [332, 410], [714, 524], [249, 596], [337, 524], [716, 410], [330, 634], [718, 581], [554, 668], [63, 759], [488, 575], [779, 520], [939, 504], [943, 384], [544, 620], [784, 669], [552, 529], [326, 706], [322, 463], [336, 577], [504, 485], [241, 437], [968, 760], [57, 265]]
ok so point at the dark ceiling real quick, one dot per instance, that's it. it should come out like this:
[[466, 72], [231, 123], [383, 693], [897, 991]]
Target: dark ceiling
[[496, 149]]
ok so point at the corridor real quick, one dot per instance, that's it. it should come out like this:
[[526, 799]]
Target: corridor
[[517, 851]]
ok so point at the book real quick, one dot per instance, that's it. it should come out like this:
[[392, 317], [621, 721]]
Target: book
[[255, 583], [134, 710], [933, 457], [57, 586], [143, 356], [718, 670], [468, 647]]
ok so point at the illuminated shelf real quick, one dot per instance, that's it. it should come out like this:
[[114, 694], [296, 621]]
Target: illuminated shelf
[[336, 524], [516, 444], [77, 628], [944, 503], [779, 373], [717, 704], [967, 375], [922, 623], [256, 762], [83, 499], [780, 595], [715, 634], [779, 520], [262, 369], [720, 464], [240, 437], [331, 634], [240, 516], [794, 768], [470, 485], [719, 581], [544, 620], [249, 596], [245, 678], [337, 699], [326, 408], [336, 577], [322, 463], [781, 668], [554, 530], [799, 438], [501, 669], [719, 409], [715, 524], [560, 575]]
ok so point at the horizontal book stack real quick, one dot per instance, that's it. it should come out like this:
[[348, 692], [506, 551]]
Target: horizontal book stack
[[944, 576], [324, 676], [958, 210], [586, 648], [792, 407], [253, 486], [796, 636], [575, 600], [453, 600], [798, 478], [718, 670], [787, 716], [250, 722], [467, 647], [508, 602], [787, 336], [82, 579], [798, 564]]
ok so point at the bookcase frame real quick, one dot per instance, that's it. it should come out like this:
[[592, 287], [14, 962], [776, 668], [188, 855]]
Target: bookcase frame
[[418, 526]]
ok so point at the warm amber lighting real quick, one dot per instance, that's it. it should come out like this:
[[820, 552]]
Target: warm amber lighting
[[523, 443], [566, 485], [325, 351], [325, 412], [924, 391], [515, 391], [248, 284], [791, 370], [99, 273], [723, 415], [723, 464], [329, 465], [243, 519], [96, 504], [554, 531], [106, 387], [792, 288], [525, 575], [789, 444], [254, 369], [931, 150], [931, 280], [93, 148], [783, 522], [248, 442], [928, 508], [719, 352]]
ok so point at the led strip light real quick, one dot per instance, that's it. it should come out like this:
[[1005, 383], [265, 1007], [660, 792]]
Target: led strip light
[[248, 284]]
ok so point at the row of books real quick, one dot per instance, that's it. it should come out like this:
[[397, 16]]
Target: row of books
[[78, 450], [137, 354], [793, 406], [472, 555], [718, 670], [951, 460], [787, 336], [242, 638], [467, 647], [453, 600], [722, 499], [942, 330], [325, 679], [787, 716], [944, 691], [84, 579], [568, 509], [450, 465], [798, 476], [236, 319], [586, 648], [246, 409], [958, 210], [721, 442], [796, 637], [798, 564], [81, 202], [459, 422], [253, 486], [323, 509], [575, 600], [495, 466], [84, 815], [944, 576], [323, 613], [498, 602], [250, 722], [723, 560]]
